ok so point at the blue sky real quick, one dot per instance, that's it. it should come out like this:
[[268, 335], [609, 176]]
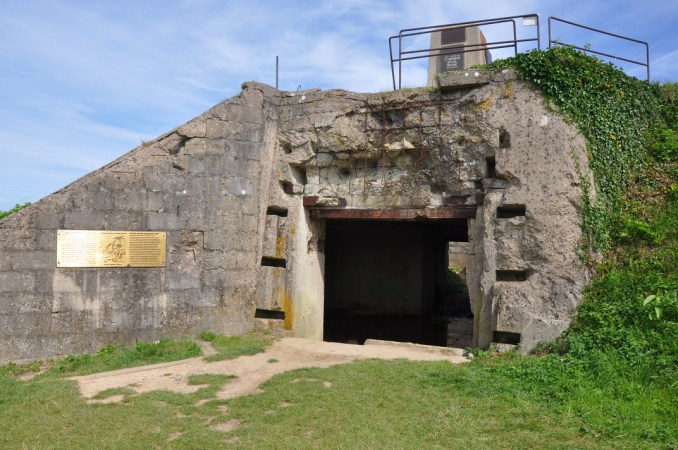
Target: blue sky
[[84, 81]]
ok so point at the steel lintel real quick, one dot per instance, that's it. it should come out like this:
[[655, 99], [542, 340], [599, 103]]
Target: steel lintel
[[458, 212]]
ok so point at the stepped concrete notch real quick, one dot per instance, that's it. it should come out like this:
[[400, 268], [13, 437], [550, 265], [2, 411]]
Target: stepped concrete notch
[[325, 213]]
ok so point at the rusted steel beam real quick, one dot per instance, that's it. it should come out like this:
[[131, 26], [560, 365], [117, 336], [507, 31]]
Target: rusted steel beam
[[460, 212], [310, 200]]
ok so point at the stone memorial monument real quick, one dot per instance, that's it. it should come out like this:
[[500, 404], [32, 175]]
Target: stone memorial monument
[[456, 49]]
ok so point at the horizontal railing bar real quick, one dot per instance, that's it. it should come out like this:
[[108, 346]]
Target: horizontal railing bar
[[473, 22], [588, 50], [452, 53], [599, 31], [487, 46], [607, 33]]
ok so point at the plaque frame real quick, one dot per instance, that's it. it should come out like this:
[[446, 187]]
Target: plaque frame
[[111, 249]]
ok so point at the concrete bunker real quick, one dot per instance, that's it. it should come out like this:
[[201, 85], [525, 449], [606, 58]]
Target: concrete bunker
[[390, 279], [313, 211]]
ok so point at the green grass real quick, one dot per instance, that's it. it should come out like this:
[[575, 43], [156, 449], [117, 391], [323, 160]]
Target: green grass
[[47, 411], [50, 413], [117, 357], [400, 404], [504, 401], [369, 404], [229, 347]]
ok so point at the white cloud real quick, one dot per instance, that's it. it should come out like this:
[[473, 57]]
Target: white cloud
[[83, 82]]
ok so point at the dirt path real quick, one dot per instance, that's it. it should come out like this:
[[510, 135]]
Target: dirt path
[[251, 371]]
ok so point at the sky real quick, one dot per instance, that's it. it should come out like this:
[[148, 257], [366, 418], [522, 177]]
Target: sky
[[84, 81]]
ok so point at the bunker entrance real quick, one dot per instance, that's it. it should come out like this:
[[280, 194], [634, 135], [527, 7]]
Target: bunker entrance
[[392, 280]]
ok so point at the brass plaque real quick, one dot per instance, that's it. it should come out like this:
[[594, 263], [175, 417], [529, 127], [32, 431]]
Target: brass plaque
[[85, 248]]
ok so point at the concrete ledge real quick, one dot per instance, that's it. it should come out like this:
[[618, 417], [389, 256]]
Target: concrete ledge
[[466, 79], [418, 347]]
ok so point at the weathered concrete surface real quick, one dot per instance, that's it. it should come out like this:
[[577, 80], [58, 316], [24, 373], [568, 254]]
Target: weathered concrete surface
[[202, 184], [234, 189]]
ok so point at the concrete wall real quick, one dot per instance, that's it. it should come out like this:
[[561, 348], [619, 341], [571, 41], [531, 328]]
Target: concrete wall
[[202, 184], [485, 141], [247, 183]]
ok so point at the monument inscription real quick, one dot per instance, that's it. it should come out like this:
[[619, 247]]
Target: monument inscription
[[90, 248], [454, 61]]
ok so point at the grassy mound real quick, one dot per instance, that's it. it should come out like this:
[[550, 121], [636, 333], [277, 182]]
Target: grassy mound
[[616, 367]]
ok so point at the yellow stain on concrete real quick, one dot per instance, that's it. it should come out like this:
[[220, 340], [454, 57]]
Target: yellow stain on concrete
[[280, 246], [288, 307], [505, 91], [485, 106], [509, 91]]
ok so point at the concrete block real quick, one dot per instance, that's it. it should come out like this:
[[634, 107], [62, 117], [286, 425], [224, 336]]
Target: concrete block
[[246, 114], [44, 280], [183, 281], [196, 164], [46, 240], [49, 219], [165, 221], [17, 282], [34, 260], [83, 220]]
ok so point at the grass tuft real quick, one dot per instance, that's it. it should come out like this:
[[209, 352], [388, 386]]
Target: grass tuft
[[114, 357], [230, 347]]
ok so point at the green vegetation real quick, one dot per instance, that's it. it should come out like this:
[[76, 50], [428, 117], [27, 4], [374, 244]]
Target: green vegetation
[[114, 357], [401, 404], [16, 208], [111, 357], [617, 366], [629, 125], [229, 347], [371, 404], [49, 412]]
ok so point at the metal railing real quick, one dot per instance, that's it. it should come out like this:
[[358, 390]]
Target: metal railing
[[428, 52], [646, 64]]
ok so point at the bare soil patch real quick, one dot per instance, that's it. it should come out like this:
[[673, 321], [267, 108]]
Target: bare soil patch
[[252, 371]]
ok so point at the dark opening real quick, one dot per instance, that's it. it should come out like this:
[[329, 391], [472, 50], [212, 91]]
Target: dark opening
[[506, 337], [287, 148], [270, 261], [269, 314], [491, 165], [287, 187], [276, 211], [511, 275], [504, 138], [299, 173], [509, 211], [390, 280]]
